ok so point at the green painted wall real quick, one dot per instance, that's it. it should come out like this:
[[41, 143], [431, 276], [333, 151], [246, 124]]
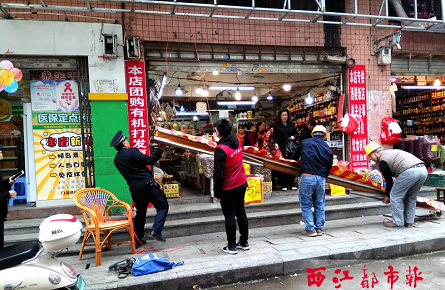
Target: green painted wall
[[108, 117]]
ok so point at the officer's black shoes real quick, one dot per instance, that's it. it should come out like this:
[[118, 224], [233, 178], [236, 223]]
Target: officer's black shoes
[[141, 243], [157, 236]]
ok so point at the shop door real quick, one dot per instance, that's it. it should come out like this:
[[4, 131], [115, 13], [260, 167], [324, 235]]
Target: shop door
[[85, 121]]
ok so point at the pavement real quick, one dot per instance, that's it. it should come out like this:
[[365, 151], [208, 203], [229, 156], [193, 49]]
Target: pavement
[[275, 251]]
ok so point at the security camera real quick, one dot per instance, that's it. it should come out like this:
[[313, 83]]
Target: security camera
[[398, 46]]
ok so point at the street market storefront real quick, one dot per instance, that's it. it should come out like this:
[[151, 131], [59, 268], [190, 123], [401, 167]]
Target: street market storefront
[[223, 71], [47, 128], [59, 78]]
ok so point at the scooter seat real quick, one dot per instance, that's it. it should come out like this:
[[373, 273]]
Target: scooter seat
[[14, 255]]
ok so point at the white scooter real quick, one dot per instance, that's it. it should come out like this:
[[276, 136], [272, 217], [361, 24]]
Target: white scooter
[[29, 266]]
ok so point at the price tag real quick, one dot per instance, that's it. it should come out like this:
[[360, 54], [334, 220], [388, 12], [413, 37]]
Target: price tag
[[433, 148]]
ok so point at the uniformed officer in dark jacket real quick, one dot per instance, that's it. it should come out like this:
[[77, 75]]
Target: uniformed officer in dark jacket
[[5, 194], [132, 164]]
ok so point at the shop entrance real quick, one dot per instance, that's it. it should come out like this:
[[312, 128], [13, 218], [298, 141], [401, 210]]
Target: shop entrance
[[267, 78], [419, 91], [45, 126]]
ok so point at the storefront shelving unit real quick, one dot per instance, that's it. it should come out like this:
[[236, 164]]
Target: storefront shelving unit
[[12, 157], [421, 112]]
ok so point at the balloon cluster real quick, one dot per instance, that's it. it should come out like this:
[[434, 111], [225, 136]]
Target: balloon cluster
[[9, 76]]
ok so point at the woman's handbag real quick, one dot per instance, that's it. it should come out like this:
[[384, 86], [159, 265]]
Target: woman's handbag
[[291, 148]]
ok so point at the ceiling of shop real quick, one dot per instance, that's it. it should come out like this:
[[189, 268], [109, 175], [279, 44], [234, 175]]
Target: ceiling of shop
[[263, 83]]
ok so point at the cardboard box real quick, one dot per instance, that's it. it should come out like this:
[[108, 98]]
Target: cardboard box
[[8, 153], [8, 164], [171, 190]]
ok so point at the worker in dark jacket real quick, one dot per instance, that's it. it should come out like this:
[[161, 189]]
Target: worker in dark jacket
[[132, 164], [316, 163], [410, 173], [230, 185], [306, 133], [5, 194], [250, 135], [284, 130]]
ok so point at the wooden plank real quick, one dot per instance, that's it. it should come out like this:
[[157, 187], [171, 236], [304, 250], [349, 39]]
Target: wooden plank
[[163, 136]]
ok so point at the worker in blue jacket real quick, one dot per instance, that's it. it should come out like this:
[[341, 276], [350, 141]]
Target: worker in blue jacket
[[316, 163]]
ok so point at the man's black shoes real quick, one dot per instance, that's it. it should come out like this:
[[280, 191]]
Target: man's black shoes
[[157, 236], [141, 243]]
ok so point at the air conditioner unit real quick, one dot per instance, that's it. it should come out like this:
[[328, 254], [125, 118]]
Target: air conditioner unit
[[110, 45], [133, 48], [384, 57]]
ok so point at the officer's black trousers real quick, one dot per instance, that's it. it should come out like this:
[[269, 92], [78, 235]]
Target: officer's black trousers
[[232, 205], [142, 198], [2, 234]]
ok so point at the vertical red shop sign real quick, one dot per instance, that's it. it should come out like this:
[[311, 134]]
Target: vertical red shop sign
[[357, 105], [137, 105]]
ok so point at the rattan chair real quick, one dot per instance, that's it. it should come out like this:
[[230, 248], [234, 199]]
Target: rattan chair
[[96, 206]]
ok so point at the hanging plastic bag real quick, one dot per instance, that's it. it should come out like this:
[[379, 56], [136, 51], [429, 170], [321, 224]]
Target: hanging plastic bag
[[278, 153], [349, 123], [291, 148], [391, 131]]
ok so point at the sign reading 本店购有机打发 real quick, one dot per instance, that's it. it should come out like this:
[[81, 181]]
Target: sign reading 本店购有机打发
[[137, 105], [357, 105]]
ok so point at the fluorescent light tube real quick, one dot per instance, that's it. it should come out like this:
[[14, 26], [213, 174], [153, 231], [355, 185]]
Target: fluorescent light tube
[[233, 88], [163, 82], [192, 113], [229, 103]]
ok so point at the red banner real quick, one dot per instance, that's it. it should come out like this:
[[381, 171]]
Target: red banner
[[137, 105], [357, 105]]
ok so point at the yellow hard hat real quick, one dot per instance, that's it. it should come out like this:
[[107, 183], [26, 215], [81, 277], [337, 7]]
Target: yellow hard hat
[[371, 147], [320, 128]]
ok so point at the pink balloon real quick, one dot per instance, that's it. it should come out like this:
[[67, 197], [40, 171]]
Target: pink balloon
[[6, 64], [2, 87], [18, 75]]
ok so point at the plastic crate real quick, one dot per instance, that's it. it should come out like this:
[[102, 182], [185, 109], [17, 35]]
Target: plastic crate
[[435, 180]]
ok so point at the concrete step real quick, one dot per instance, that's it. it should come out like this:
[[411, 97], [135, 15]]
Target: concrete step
[[211, 224], [196, 210], [204, 218]]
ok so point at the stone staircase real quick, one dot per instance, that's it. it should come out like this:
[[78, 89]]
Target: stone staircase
[[199, 215]]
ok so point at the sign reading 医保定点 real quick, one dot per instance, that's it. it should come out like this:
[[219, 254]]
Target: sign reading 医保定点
[[57, 135], [357, 106], [137, 105], [58, 154]]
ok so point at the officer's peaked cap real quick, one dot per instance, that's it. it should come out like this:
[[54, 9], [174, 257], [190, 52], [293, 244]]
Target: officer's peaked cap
[[118, 138]]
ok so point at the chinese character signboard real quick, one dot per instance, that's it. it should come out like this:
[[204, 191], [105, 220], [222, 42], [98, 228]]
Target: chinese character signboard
[[57, 135], [357, 105], [137, 105], [58, 155], [53, 75]]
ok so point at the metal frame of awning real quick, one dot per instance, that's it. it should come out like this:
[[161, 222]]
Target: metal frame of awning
[[226, 12]]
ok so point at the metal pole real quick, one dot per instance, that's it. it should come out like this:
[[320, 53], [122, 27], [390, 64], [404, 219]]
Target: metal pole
[[415, 9]]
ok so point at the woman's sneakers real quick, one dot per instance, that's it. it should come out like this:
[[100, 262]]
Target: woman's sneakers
[[230, 249], [244, 246]]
